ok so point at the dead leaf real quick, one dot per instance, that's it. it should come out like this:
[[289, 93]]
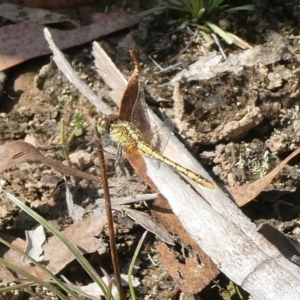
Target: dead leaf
[[75, 211], [17, 259], [50, 3], [127, 104], [211, 65], [6, 276], [35, 238], [20, 42], [72, 76], [82, 234], [239, 42], [149, 224], [17, 152], [131, 93], [132, 107], [56, 254], [93, 291], [245, 193], [138, 163], [100, 203], [191, 277], [21, 14]]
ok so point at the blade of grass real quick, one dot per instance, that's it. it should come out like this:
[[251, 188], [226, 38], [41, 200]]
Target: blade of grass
[[15, 287], [132, 263], [63, 140], [239, 42], [238, 8], [223, 34], [184, 24], [213, 4], [31, 277], [206, 37], [109, 288], [85, 264], [41, 267]]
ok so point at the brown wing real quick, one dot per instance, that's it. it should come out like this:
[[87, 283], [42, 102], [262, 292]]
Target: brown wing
[[133, 109], [140, 118], [131, 92]]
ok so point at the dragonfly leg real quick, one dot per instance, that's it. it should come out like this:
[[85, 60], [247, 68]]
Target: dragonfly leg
[[119, 151], [105, 143], [120, 164]]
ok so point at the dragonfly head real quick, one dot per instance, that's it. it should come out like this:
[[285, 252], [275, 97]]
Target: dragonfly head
[[104, 123]]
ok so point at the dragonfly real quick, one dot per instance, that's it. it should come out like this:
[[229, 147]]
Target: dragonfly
[[130, 138]]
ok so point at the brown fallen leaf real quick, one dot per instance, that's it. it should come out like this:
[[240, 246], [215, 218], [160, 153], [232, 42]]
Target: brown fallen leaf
[[56, 254], [20, 42], [190, 276], [17, 259], [245, 193], [131, 92], [50, 3], [127, 103], [82, 234], [150, 224], [6, 275], [17, 152], [21, 14]]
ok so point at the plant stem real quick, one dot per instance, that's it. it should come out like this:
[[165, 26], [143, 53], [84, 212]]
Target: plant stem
[[113, 246]]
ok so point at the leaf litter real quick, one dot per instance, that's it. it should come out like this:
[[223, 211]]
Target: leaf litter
[[24, 41], [17, 157], [21, 14], [276, 85], [35, 239]]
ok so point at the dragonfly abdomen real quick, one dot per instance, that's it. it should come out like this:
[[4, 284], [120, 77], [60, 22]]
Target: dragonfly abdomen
[[147, 150]]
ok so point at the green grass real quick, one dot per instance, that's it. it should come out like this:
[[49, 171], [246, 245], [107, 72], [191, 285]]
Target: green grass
[[78, 130], [200, 15], [62, 289]]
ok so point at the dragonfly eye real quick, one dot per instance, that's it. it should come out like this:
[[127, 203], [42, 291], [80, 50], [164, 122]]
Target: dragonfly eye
[[101, 126], [104, 124]]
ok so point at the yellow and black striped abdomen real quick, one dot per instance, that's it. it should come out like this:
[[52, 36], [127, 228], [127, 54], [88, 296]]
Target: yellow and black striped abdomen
[[147, 150]]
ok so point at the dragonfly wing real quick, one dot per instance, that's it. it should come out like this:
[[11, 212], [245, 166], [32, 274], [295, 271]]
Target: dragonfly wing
[[156, 136], [161, 136], [139, 116]]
